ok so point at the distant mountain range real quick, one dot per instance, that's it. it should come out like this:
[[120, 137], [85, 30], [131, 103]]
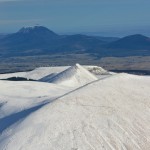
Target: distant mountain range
[[40, 40]]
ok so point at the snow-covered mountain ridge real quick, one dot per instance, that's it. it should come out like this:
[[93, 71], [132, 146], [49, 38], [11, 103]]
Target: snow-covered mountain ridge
[[110, 113], [73, 76], [42, 72]]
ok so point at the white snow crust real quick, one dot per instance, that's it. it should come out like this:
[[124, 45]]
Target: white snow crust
[[73, 76], [111, 113]]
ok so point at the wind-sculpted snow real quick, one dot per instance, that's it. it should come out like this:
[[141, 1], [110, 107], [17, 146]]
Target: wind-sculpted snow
[[73, 76], [45, 73], [35, 74], [112, 113], [21, 95]]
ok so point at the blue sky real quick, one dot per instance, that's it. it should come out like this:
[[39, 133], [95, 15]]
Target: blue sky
[[99, 17]]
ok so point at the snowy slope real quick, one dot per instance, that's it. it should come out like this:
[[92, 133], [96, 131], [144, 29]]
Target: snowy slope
[[35, 74], [40, 73], [20, 95], [113, 113], [73, 76]]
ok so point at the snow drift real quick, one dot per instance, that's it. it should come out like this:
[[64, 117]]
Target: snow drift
[[35, 74], [111, 114], [73, 76], [21, 95], [42, 72]]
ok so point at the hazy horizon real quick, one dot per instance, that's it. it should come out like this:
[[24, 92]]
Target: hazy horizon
[[95, 17]]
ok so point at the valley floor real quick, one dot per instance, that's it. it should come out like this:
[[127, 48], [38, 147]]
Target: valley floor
[[15, 64]]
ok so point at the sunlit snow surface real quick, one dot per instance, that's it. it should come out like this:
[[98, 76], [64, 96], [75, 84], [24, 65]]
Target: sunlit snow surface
[[42, 72], [74, 76], [109, 113]]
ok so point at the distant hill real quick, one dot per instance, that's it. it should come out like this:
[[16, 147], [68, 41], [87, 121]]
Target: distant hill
[[39, 40], [28, 38], [133, 45], [2, 35], [133, 42]]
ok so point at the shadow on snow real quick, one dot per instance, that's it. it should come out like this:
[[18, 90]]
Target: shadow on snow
[[13, 118]]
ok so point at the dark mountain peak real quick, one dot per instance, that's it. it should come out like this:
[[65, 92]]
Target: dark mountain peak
[[36, 30], [135, 37], [136, 41], [30, 38]]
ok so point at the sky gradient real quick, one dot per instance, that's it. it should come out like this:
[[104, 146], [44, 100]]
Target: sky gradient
[[98, 17]]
